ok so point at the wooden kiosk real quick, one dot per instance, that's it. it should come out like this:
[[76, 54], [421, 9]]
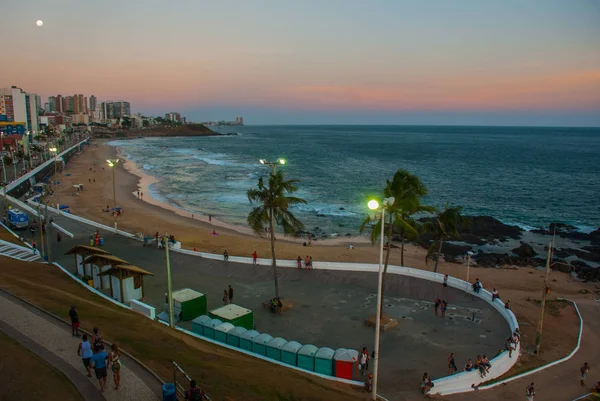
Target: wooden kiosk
[[81, 252], [126, 281]]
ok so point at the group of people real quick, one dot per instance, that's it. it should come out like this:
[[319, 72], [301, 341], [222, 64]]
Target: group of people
[[93, 354], [308, 262], [482, 363], [442, 305], [228, 296], [512, 341]]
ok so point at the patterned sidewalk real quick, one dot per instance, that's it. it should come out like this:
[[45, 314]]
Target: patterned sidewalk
[[56, 338]]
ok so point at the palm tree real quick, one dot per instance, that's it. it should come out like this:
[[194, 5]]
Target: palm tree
[[444, 226], [407, 190], [272, 209]]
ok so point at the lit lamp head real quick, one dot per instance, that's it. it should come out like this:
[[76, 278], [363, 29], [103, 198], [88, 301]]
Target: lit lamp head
[[111, 163], [53, 150], [263, 161], [373, 204], [282, 161]]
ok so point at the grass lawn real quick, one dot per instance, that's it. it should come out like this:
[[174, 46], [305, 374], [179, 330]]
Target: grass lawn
[[23, 375], [225, 374]]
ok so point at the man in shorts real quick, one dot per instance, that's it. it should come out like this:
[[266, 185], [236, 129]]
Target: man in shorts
[[530, 392], [74, 321], [98, 362], [585, 369]]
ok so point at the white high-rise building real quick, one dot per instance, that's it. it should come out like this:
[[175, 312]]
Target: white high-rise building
[[20, 106]]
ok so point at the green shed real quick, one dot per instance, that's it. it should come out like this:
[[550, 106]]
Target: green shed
[[208, 328], [197, 324], [289, 352], [324, 361], [274, 348], [235, 315], [191, 303], [306, 357], [259, 344], [247, 339], [233, 336], [221, 332]]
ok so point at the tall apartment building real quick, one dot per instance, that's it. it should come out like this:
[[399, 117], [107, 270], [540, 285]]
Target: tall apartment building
[[51, 104], [93, 103], [19, 106], [116, 109], [173, 116], [59, 104]]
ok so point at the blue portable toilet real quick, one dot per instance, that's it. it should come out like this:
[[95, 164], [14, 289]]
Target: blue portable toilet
[[289, 352], [306, 357], [222, 330], [197, 324], [247, 339], [324, 361], [208, 328], [259, 344], [233, 336], [274, 348]]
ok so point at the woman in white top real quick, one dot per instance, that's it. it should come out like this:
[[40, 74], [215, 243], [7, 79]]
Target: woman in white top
[[114, 359]]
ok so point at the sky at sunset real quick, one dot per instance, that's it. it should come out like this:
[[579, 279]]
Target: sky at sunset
[[315, 62]]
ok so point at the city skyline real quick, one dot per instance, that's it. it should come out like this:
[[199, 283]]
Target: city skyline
[[487, 63]]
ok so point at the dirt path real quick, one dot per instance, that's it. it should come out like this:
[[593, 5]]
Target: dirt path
[[57, 340]]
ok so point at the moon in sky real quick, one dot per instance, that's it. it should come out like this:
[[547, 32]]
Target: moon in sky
[[39, 22]]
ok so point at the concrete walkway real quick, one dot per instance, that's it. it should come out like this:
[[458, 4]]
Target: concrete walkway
[[52, 341]]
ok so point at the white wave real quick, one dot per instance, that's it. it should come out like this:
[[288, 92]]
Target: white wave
[[148, 167], [325, 210]]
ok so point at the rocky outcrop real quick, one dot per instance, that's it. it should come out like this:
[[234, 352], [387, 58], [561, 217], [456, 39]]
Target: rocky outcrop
[[480, 230], [525, 251], [498, 259], [568, 231]]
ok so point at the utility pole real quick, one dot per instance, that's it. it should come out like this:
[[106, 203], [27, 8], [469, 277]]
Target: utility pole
[[538, 336], [41, 247], [49, 236], [169, 290]]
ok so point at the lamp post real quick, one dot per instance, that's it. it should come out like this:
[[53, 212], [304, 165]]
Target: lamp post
[[169, 289], [274, 164], [54, 150], [374, 205], [112, 163], [469, 254]]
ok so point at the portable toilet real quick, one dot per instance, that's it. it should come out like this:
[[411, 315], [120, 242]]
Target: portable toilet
[[324, 361], [289, 352], [306, 357], [221, 332], [208, 328], [344, 361], [259, 344], [233, 336], [274, 348], [197, 324], [247, 339], [234, 314], [191, 304]]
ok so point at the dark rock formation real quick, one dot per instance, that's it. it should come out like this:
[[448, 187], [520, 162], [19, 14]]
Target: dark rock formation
[[525, 251], [498, 259], [480, 230]]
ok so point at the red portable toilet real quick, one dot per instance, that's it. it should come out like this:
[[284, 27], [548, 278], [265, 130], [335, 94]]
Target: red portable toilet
[[344, 362]]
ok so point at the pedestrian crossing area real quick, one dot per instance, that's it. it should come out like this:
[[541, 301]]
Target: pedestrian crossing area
[[18, 252]]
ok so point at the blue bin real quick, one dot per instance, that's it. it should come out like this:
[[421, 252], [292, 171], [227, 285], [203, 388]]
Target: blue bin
[[169, 393], [259, 344], [289, 353], [274, 348], [324, 361], [102, 241]]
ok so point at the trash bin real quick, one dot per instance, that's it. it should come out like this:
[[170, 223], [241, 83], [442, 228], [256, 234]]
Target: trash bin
[[169, 393]]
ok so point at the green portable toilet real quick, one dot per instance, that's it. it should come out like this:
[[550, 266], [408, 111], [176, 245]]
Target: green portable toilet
[[208, 328], [197, 324], [274, 348], [247, 339], [191, 303], [259, 344], [306, 357], [324, 361], [289, 352], [233, 336], [221, 332], [234, 314]]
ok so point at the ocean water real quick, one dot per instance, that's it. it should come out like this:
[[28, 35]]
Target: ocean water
[[520, 175]]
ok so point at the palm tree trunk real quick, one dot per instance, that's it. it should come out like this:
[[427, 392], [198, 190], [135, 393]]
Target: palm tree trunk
[[437, 257], [385, 266], [273, 253], [402, 248]]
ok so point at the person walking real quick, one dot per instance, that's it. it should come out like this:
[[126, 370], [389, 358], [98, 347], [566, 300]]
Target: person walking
[[530, 392], [362, 362], [443, 308], [97, 339], [98, 362], [74, 321], [452, 364], [445, 282], [254, 257], [585, 369], [230, 294], [195, 393], [225, 255], [85, 351], [225, 297], [436, 305], [114, 359], [299, 260]]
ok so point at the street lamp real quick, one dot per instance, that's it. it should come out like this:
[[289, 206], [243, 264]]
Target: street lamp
[[469, 254], [374, 205], [54, 150], [274, 164], [112, 163]]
